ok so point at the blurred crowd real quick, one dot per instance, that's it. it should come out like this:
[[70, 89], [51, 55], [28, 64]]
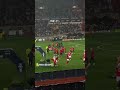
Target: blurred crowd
[[101, 15], [17, 13], [43, 16], [17, 18], [43, 28]]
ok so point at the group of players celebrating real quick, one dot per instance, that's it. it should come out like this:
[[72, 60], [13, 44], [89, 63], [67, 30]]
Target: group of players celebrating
[[58, 50]]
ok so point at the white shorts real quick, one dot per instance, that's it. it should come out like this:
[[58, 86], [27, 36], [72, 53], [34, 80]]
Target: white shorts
[[117, 78], [68, 59], [83, 59], [69, 56]]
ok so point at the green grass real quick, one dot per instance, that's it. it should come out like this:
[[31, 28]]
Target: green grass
[[75, 63], [8, 70], [99, 77]]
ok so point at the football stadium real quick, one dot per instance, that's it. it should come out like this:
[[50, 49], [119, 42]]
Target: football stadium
[[59, 44]]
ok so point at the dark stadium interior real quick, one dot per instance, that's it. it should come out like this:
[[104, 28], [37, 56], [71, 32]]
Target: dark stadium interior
[[24, 21]]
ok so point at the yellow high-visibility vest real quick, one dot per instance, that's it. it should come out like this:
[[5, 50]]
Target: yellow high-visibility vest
[[28, 51]]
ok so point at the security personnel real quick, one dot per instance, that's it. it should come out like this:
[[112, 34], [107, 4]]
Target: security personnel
[[31, 58]]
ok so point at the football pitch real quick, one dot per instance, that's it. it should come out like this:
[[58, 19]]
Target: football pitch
[[107, 48], [75, 63]]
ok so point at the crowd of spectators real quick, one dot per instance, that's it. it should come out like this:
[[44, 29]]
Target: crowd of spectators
[[105, 23], [101, 16], [67, 28], [44, 13], [43, 28]]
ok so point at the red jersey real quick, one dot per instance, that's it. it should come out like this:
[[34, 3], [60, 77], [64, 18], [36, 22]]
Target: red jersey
[[84, 55], [92, 53], [69, 55], [61, 51], [117, 71], [56, 51], [64, 49], [49, 46], [55, 60], [72, 49]]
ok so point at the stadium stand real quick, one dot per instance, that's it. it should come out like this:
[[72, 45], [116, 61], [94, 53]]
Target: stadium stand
[[43, 17], [22, 15], [103, 17]]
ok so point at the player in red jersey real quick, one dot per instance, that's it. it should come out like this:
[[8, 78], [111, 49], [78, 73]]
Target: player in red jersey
[[118, 73], [55, 60], [85, 58], [61, 51], [72, 49], [64, 49], [92, 61], [118, 76], [56, 51], [69, 56]]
